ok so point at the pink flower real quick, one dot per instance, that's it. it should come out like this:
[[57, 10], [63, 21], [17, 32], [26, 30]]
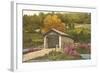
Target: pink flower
[[71, 50], [85, 46]]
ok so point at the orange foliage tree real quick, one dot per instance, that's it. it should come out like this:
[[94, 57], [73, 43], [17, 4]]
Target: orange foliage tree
[[52, 21]]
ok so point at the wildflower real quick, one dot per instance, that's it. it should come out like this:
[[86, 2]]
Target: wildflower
[[71, 50]]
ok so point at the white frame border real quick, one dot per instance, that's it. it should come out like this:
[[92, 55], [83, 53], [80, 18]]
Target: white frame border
[[16, 59]]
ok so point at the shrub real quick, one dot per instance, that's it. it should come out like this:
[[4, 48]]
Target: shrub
[[84, 48], [61, 56], [71, 50]]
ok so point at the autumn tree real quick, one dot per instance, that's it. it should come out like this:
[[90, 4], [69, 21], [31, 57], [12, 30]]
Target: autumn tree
[[52, 21]]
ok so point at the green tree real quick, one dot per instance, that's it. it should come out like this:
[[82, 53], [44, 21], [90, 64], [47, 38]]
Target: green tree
[[80, 35]]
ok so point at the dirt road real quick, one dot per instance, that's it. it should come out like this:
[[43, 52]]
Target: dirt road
[[36, 54]]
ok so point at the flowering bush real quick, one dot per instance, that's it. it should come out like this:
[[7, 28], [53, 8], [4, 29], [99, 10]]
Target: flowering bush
[[84, 48], [71, 50]]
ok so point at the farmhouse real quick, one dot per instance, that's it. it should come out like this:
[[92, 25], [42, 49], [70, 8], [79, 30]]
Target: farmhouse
[[56, 39]]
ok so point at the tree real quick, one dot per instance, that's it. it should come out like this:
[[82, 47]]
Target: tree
[[52, 21], [80, 35]]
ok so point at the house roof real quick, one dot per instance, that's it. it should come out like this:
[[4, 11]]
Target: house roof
[[57, 31]]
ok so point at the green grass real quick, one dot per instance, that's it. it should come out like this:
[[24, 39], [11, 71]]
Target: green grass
[[83, 51], [83, 25], [32, 40], [57, 56], [60, 56]]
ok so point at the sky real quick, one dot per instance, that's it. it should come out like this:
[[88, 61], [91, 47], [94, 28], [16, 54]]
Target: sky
[[32, 12]]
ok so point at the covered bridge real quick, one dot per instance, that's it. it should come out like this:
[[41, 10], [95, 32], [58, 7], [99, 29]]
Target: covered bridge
[[56, 39]]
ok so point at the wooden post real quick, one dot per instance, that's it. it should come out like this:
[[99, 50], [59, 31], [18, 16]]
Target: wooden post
[[60, 41], [44, 42]]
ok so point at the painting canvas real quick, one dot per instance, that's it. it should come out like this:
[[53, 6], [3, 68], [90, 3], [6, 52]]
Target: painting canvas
[[56, 35], [53, 36]]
